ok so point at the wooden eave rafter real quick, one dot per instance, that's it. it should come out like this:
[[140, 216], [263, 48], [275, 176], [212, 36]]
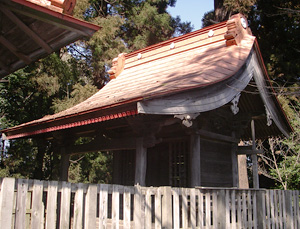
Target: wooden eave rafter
[[14, 50], [27, 30], [39, 29]]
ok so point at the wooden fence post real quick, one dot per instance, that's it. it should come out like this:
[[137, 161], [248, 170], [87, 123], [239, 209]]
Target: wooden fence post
[[167, 208], [6, 202]]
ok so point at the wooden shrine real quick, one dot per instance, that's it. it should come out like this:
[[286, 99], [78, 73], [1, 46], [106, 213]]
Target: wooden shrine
[[174, 113]]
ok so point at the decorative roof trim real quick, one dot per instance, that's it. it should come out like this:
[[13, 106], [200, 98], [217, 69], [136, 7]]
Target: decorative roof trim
[[75, 124], [117, 66]]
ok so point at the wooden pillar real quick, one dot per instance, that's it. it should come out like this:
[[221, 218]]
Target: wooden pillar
[[64, 164], [254, 158], [195, 170], [234, 162], [140, 162]]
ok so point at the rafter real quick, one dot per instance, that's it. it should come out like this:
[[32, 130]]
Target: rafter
[[27, 30], [14, 50]]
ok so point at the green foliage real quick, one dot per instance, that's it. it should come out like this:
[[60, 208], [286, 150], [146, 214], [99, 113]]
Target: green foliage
[[276, 26], [91, 168]]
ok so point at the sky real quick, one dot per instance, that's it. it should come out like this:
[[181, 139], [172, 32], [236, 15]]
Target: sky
[[191, 10]]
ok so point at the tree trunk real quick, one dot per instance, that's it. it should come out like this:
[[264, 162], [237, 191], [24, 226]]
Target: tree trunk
[[221, 13]]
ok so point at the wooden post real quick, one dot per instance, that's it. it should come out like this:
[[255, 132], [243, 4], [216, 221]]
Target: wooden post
[[64, 164], [140, 163], [195, 161], [234, 162], [254, 158]]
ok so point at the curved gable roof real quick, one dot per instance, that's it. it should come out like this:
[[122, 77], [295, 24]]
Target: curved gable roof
[[196, 60]]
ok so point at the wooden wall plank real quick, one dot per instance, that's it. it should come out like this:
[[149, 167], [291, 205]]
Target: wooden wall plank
[[51, 205], [6, 202], [65, 205], [90, 207], [103, 200], [22, 189], [78, 207]]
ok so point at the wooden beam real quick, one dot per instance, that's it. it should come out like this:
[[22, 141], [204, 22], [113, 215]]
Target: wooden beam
[[248, 150], [103, 144], [140, 163], [27, 30], [220, 137], [14, 50]]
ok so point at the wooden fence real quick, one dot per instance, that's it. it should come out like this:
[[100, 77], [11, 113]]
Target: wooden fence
[[52, 204]]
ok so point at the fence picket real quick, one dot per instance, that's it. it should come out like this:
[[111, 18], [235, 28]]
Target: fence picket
[[37, 216], [233, 209], [172, 207], [184, 208], [22, 189], [138, 222], [103, 201], [200, 209], [51, 205], [78, 207], [65, 205], [176, 210], [148, 209], [6, 202], [90, 207], [158, 221], [126, 208], [193, 208]]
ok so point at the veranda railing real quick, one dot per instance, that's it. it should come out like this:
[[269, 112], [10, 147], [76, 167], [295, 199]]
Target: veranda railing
[[52, 204]]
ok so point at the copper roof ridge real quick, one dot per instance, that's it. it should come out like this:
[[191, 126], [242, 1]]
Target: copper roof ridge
[[176, 39]]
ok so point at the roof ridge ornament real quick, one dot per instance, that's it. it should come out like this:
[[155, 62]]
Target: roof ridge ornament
[[237, 28], [117, 66]]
